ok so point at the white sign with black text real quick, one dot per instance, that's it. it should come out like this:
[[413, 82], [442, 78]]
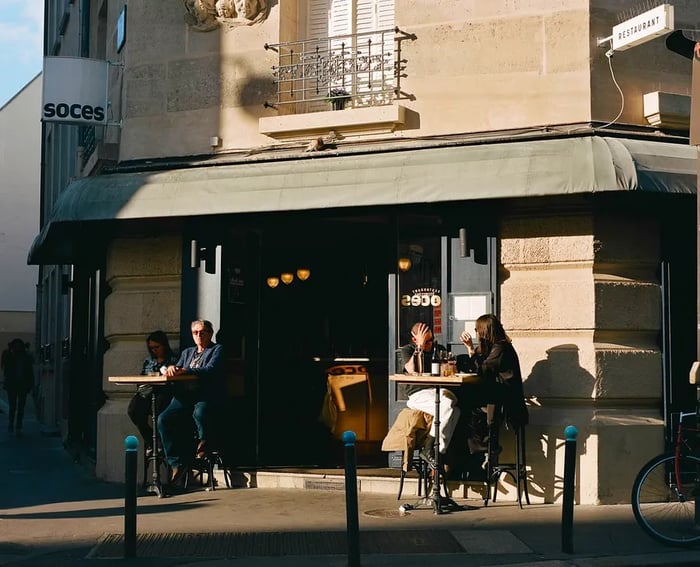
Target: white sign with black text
[[75, 90], [645, 27]]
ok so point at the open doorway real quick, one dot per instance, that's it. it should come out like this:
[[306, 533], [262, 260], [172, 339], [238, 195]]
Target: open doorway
[[335, 312]]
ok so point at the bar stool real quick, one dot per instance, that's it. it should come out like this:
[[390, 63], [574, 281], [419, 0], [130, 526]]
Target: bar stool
[[407, 434], [517, 469], [206, 465]]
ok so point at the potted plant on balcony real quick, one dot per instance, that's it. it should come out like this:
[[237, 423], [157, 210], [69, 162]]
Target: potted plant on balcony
[[338, 97]]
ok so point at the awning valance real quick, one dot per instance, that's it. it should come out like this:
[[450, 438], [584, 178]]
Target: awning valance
[[484, 171]]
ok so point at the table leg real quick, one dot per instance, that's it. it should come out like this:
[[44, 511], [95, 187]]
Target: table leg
[[154, 460], [437, 505]]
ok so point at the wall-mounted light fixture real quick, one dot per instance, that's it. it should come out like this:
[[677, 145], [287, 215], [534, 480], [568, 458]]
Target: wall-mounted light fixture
[[287, 277], [303, 274], [273, 282], [405, 264]]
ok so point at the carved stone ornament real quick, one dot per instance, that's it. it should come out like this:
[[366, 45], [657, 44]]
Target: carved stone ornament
[[207, 15]]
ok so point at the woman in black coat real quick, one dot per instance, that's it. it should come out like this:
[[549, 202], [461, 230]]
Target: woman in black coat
[[496, 361]]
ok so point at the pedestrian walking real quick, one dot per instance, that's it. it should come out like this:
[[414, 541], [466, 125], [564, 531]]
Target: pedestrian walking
[[18, 371]]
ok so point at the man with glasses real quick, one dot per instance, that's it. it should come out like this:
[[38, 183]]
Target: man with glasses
[[416, 358], [193, 400]]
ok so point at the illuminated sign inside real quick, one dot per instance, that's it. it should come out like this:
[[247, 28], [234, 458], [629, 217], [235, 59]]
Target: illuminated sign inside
[[422, 297], [643, 28]]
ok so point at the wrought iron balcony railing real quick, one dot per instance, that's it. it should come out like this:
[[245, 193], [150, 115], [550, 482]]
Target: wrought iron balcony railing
[[357, 70]]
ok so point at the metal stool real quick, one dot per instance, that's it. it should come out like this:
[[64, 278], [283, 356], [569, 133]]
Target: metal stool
[[517, 470]]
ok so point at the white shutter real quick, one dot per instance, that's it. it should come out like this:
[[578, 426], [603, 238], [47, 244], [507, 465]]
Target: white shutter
[[317, 18], [341, 17], [375, 15]]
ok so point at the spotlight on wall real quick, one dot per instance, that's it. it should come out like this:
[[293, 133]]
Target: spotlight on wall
[[303, 274], [405, 264], [273, 282], [287, 278]]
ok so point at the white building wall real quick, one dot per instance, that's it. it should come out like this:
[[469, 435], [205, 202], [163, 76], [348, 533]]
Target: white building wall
[[20, 161]]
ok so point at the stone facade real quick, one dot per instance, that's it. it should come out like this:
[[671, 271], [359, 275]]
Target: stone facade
[[579, 297], [144, 276]]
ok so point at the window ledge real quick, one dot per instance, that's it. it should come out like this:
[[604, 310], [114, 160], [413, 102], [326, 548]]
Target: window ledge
[[371, 120]]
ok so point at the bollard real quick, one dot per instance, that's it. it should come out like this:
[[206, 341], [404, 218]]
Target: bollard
[[567, 511], [351, 507], [131, 444]]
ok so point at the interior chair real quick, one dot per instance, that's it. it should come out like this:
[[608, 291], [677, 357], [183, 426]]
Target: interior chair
[[339, 377], [495, 467]]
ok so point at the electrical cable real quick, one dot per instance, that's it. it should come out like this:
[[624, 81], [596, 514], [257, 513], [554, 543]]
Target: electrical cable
[[622, 95]]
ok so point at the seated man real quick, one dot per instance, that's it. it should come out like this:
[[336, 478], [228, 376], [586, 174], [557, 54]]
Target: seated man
[[418, 354], [196, 400]]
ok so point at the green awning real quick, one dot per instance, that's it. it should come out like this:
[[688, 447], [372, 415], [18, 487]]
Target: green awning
[[531, 168]]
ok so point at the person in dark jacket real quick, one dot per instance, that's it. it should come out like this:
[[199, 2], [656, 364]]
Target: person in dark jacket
[[18, 370], [197, 400], [496, 361], [140, 406]]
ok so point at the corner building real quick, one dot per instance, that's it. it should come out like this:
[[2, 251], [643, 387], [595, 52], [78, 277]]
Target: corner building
[[482, 146]]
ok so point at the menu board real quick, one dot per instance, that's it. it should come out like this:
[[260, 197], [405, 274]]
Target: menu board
[[465, 309]]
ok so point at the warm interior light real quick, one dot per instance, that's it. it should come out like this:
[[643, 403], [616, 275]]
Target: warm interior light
[[405, 264], [287, 278], [303, 274], [273, 281]]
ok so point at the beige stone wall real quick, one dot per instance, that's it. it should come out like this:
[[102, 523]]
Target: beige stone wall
[[473, 67], [144, 275], [581, 301]]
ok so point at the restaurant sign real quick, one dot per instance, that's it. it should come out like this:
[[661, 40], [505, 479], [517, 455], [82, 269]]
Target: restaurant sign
[[422, 297], [642, 28], [75, 90]]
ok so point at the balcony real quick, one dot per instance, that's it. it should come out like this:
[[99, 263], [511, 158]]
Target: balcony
[[358, 74]]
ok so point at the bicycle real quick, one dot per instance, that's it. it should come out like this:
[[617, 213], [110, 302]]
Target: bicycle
[[664, 491]]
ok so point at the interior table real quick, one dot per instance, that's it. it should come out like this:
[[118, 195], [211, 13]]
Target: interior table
[[155, 486], [439, 503]]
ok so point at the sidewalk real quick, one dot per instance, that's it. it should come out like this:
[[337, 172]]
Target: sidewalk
[[52, 513]]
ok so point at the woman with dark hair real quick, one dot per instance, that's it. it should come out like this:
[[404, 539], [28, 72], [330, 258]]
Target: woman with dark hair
[[496, 361], [139, 410], [18, 369]]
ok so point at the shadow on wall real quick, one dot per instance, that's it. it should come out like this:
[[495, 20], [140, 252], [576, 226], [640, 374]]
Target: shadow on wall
[[561, 377]]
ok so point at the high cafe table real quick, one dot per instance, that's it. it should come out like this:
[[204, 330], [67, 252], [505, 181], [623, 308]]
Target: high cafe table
[[155, 487], [440, 504]]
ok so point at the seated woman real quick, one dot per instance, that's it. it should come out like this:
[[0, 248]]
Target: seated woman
[[139, 410], [496, 361]]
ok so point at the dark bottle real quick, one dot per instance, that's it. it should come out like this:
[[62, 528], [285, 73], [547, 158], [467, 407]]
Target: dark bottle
[[435, 362]]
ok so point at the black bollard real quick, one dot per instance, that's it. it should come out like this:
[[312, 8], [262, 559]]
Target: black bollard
[[351, 507], [567, 511], [131, 444]]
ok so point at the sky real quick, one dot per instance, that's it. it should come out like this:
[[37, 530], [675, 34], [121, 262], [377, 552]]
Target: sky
[[21, 51]]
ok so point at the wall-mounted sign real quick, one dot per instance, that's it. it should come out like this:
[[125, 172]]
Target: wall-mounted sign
[[642, 28], [75, 90], [423, 297]]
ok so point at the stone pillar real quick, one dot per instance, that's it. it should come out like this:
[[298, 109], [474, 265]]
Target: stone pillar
[[144, 275], [581, 301]]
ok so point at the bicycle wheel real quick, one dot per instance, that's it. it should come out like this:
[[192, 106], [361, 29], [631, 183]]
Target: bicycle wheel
[[663, 499]]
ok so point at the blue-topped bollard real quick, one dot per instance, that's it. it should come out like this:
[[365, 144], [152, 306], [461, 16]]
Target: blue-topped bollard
[[567, 511], [131, 446], [351, 507]]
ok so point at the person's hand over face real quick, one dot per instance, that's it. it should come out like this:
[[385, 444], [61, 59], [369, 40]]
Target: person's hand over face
[[421, 336]]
